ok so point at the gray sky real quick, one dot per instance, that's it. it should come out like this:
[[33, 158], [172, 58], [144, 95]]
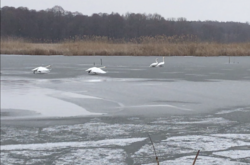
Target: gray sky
[[192, 10]]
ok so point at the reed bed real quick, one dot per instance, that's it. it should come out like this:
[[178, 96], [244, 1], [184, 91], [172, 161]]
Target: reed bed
[[144, 46]]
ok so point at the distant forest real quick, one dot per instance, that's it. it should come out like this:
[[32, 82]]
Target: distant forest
[[56, 25]]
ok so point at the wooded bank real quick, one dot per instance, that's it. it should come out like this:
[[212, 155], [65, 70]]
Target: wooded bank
[[57, 25]]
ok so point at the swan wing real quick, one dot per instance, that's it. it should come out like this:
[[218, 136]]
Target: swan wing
[[153, 64], [161, 64], [35, 69], [90, 69], [95, 70], [98, 71], [43, 70], [102, 72]]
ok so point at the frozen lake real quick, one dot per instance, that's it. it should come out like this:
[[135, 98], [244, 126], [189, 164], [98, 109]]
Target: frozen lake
[[70, 117]]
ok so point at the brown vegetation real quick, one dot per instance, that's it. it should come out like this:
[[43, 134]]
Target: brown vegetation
[[145, 46]]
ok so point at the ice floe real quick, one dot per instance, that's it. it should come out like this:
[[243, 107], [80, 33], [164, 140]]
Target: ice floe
[[214, 120], [245, 137], [234, 110], [204, 143], [234, 154], [93, 156], [52, 146]]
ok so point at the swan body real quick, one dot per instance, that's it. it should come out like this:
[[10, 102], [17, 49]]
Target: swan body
[[96, 70], [41, 70], [161, 63], [154, 64]]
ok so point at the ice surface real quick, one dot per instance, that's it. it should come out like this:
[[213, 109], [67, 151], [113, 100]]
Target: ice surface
[[196, 97], [202, 160], [158, 105], [234, 154], [51, 146], [94, 157], [40, 100], [172, 149], [162, 149], [190, 144], [217, 120], [234, 110], [244, 137], [205, 143]]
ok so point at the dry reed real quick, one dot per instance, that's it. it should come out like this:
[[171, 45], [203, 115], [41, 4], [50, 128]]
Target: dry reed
[[156, 157], [144, 46], [196, 157]]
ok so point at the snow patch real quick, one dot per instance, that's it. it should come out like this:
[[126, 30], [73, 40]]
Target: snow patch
[[234, 154], [50, 146], [205, 143]]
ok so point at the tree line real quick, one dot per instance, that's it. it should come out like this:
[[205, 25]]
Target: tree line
[[56, 24]]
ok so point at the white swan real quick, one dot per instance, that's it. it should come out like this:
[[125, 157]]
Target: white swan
[[96, 70], [154, 64], [161, 63], [41, 69]]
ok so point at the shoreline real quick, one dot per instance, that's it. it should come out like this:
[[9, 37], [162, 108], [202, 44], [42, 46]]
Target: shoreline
[[105, 48], [125, 55]]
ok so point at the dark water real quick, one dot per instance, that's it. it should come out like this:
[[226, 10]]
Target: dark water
[[70, 117]]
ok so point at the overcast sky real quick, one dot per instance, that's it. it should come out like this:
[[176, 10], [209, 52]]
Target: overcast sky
[[192, 10]]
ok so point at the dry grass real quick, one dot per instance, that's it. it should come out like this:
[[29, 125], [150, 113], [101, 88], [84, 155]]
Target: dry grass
[[24, 47], [146, 46]]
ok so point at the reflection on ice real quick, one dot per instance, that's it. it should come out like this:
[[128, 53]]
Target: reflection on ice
[[157, 106], [40, 100], [72, 95], [95, 80]]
